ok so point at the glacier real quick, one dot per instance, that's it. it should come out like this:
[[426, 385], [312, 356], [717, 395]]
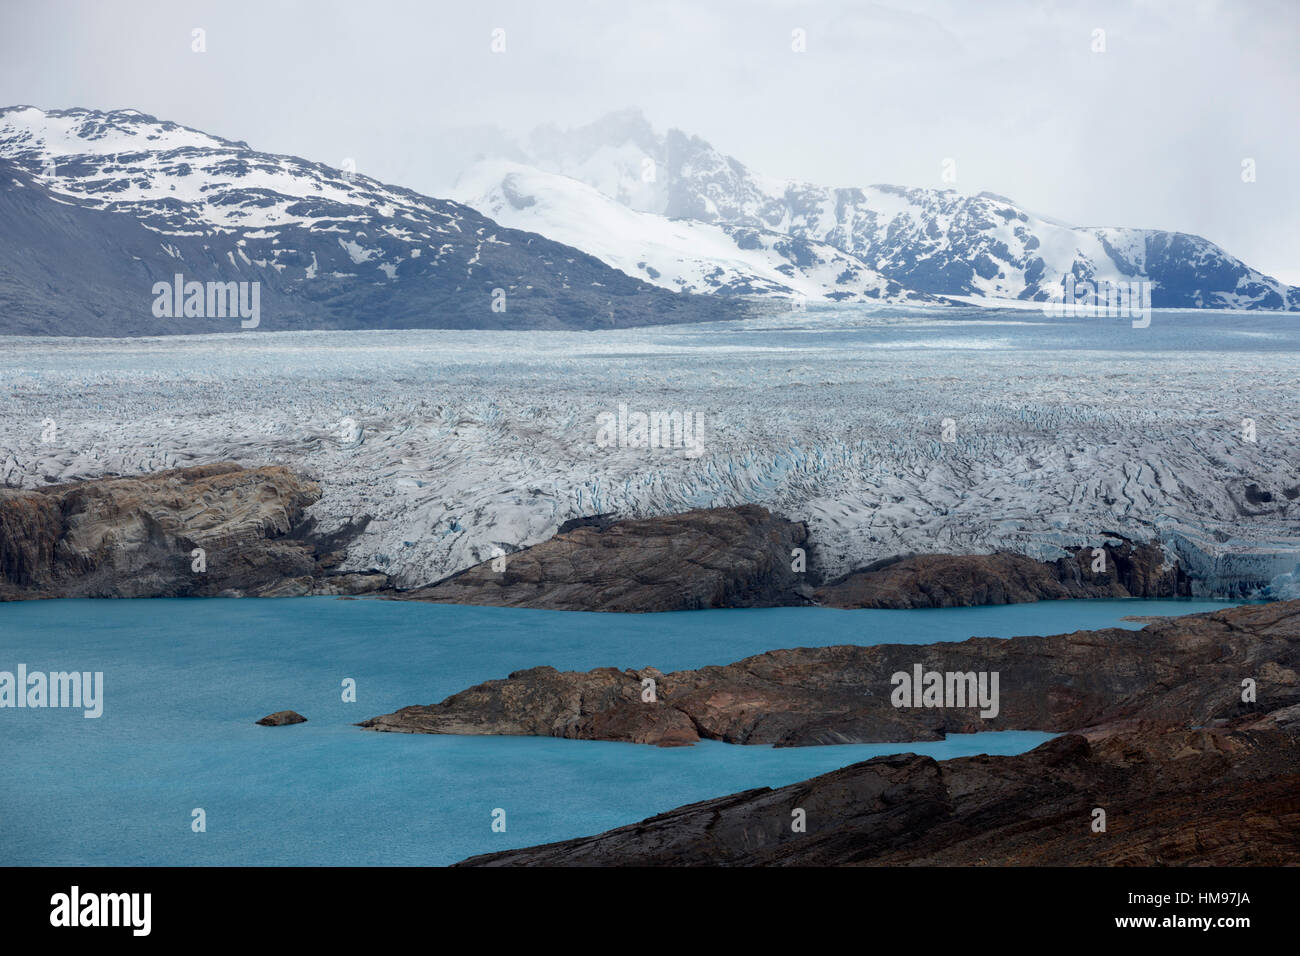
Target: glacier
[[460, 442]]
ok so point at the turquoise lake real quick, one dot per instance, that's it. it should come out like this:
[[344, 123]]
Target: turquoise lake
[[185, 679]]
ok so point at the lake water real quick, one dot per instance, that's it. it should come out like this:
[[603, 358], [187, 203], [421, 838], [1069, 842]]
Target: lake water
[[185, 679]]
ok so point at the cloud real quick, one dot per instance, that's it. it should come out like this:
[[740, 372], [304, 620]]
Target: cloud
[[1149, 133]]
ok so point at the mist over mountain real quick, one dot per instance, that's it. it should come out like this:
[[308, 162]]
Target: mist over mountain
[[928, 241], [685, 255]]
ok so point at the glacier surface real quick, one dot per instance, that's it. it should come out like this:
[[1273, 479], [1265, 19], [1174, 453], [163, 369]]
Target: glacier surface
[[889, 430]]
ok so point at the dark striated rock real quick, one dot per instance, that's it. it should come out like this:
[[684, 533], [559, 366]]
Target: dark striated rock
[[1216, 797], [966, 580], [134, 537], [712, 558], [1187, 671], [282, 717]]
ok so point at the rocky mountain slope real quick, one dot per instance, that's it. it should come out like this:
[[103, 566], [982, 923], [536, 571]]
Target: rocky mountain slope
[[97, 207], [935, 241]]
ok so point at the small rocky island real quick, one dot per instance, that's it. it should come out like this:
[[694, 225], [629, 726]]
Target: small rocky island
[[281, 718]]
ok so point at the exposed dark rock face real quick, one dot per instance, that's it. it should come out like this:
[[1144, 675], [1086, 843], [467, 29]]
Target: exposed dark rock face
[[1187, 671], [713, 558], [966, 580], [135, 537], [1218, 797], [282, 717], [744, 557]]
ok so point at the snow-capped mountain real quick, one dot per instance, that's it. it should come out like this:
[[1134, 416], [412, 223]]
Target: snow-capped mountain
[[936, 241], [96, 208], [685, 255]]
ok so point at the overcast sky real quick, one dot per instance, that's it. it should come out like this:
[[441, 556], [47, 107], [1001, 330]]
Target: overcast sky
[[1150, 133]]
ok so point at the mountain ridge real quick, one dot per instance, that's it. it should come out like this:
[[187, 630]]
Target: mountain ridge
[[628, 227], [149, 199], [935, 242]]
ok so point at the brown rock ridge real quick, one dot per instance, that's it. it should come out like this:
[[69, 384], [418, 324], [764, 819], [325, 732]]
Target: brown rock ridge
[[1187, 671], [710, 558], [133, 537], [281, 718], [966, 580], [1206, 797], [743, 557]]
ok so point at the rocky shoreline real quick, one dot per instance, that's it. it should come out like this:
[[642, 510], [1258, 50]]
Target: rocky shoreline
[[1158, 729], [1174, 764], [1186, 671], [1167, 797], [718, 557]]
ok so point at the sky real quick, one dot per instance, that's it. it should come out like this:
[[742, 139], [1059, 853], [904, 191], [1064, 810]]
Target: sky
[[1146, 125]]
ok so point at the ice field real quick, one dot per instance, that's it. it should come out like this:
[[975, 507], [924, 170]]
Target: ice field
[[457, 443]]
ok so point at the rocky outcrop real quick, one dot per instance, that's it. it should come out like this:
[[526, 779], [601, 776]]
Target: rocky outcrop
[[1224, 796], [132, 537], [746, 557], [137, 537], [1124, 570], [1157, 737], [712, 558], [282, 717], [1187, 671]]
